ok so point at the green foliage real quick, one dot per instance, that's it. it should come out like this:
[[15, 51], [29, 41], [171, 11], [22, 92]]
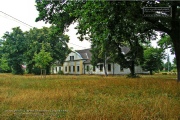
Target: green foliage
[[133, 76], [4, 67], [54, 43], [165, 42], [61, 72], [114, 24], [164, 73], [36, 70], [18, 48], [153, 59], [14, 47], [168, 66], [43, 58]]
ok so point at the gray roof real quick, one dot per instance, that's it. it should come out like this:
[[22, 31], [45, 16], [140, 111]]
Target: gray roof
[[85, 54]]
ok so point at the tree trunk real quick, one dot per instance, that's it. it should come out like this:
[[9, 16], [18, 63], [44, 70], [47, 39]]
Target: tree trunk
[[151, 72], [177, 54], [132, 68], [105, 71], [175, 36], [113, 68]]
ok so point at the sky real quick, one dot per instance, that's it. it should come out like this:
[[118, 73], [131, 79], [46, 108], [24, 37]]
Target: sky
[[25, 11]]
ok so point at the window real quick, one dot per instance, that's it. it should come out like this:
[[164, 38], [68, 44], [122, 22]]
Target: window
[[69, 68], [73, 68], [77, 68], [59, 68], [101, 67], [71, 58], [66, 68], [121, 69], [109, 67], [88, 68], [93, 68]]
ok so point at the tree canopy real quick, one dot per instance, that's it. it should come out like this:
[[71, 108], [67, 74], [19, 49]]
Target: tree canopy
[[153, 59], [13, 48], [18, 48], [119, 22], [43, 58]]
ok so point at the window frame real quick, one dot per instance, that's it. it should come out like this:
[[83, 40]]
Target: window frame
[[101, 67], [65, 68], [78, 68], [121, 69], [109, 67], [71, 58], [73, 68], [69, 68], [87, 68]]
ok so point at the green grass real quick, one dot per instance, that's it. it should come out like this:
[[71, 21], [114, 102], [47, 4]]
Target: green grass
[[89, 97]]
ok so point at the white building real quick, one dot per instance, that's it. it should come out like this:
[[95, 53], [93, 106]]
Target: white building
[[78, 62]]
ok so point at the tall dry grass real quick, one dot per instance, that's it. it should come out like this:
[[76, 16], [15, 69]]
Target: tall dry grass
[[89, 97]]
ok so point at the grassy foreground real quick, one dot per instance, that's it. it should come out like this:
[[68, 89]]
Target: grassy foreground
[[89, 97]]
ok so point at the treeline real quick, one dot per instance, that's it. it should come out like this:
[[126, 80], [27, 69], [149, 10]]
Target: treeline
[[36, 49], [111, 25]]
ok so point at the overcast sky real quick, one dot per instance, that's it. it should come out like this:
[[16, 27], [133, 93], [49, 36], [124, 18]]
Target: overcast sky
[[25, 11]]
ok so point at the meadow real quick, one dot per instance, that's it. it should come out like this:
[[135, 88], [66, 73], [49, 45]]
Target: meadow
[[89, 97]]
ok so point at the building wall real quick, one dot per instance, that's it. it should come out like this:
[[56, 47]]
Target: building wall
[[76, 55], [55, 69], [73, 67], [97, 70], [77, 67], [67, 68]]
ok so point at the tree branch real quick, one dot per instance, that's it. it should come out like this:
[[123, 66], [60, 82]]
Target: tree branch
[[157, 26]]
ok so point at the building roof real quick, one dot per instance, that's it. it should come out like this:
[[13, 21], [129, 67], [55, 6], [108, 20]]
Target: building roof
[[85, 54]]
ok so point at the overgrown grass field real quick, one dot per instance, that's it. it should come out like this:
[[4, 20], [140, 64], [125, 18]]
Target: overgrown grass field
[[89, 97]]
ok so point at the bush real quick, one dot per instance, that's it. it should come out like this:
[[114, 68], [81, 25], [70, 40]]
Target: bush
[[17, 69], [61, 72], [133, 76], [36, 71], [164, 73]]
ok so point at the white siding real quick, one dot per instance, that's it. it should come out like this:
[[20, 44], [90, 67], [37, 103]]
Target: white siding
[[90, 69], [76, 55], [76, 62], [116, 70], [56, 69]]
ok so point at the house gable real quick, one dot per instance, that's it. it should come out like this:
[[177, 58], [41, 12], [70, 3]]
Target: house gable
[[73, 56]]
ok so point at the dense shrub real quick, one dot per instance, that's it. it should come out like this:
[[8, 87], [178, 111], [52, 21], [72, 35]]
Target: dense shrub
[[61, 72], [36, 71]]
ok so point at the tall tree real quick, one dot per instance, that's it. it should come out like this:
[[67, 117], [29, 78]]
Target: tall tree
[[117, 19], [153, 59], [55, 43], [169, 25], [14, 47], [167, 65], [42, 59]]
